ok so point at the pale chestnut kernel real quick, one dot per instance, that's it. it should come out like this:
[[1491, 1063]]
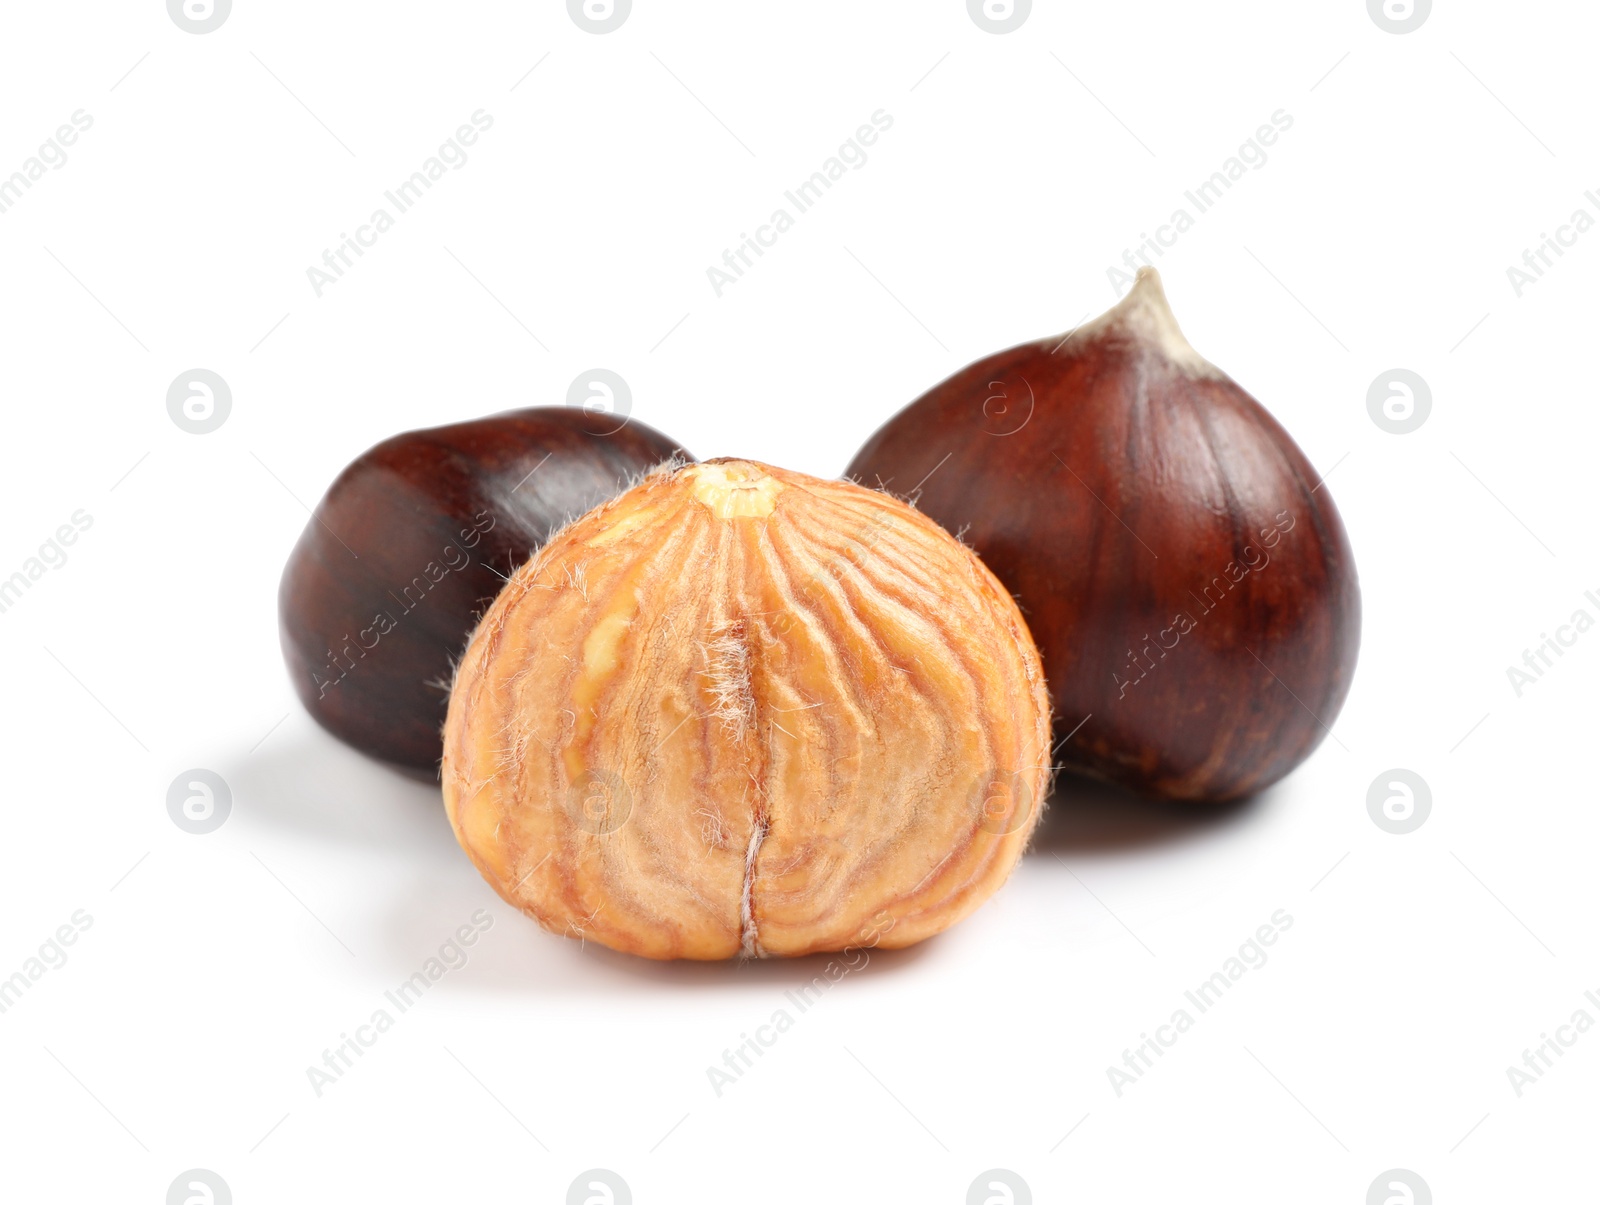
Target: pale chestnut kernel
[[743, 711]]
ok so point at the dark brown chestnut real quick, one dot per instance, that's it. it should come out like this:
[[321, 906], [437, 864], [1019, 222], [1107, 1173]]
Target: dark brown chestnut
[[411, 544], [1183, 570]]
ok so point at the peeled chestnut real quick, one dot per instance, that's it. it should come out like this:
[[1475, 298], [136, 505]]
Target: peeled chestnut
[[739, 711], [1184, 571], [414, 540]]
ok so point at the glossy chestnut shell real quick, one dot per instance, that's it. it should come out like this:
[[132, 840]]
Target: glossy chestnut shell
[[1179, 561], [411, 544]]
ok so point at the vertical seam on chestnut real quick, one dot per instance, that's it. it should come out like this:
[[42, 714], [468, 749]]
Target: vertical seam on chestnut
[[731, 658], [749, 934]]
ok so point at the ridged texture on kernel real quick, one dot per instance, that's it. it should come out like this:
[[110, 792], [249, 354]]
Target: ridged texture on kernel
[[742, 711]]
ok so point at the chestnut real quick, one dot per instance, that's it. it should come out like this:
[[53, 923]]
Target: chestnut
[[1180, 563], [413, 541], [743, 712]]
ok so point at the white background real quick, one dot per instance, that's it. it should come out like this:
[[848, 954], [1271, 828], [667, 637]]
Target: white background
[[1019, 166]]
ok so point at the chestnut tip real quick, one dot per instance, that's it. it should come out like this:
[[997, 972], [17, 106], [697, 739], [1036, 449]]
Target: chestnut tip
[[1143, 315]]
